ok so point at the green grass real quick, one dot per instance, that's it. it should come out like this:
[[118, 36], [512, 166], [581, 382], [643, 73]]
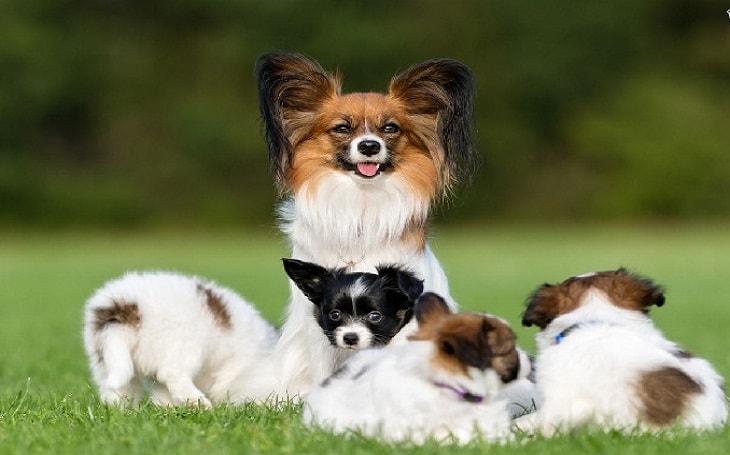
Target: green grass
[[48, 405]]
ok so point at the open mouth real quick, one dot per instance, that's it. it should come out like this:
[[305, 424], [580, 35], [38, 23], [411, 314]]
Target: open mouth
[[367, 169], [364, 169]]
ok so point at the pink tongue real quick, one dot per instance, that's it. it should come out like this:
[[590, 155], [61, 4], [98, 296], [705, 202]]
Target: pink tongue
[[367, 169]]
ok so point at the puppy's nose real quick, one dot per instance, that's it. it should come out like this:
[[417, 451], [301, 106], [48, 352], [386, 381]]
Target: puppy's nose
[[350, 339], [368, 147]]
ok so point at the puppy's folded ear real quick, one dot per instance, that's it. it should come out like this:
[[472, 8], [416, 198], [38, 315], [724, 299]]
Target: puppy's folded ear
[[310, 278], [542, 306], [638, 291], [429, 310]]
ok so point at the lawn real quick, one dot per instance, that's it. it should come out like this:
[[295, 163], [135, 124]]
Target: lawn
[[48, 405]]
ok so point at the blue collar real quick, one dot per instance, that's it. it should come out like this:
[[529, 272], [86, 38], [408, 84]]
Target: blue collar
[[561, 336]]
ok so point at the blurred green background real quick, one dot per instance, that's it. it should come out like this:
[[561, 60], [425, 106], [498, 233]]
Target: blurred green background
[[118, 113]]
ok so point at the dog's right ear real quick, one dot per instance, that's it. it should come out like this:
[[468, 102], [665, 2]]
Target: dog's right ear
[[291, 89], [401, 280], [429, 309], [310, 278]]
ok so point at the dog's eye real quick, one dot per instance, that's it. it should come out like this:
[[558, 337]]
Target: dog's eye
[[374, 316], [390, 128], [335, 315], [342, 128]]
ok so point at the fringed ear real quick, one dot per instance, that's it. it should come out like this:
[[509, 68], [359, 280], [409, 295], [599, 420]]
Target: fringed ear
[[401, 281], [437, 95], [310, 278], [638, 292], [429, 310], [291, 89], [542, 306]]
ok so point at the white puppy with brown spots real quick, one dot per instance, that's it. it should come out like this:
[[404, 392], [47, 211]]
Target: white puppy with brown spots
[[196, 342], [448, 383], [601, 362]]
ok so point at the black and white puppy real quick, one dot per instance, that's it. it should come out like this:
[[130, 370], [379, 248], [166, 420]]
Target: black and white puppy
[[357, 310]]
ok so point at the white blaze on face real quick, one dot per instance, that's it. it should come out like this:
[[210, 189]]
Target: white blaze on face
[[353, 336]]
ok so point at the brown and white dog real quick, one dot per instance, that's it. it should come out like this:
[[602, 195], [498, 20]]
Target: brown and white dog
[[601, 361], [447, 382], [197, 342], [359, 174]]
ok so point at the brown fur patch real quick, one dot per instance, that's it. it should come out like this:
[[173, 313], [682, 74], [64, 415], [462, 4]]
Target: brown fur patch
[[317, 149], [121, 312], [623, 289], [664, 394], [466, 339], [216, 306]]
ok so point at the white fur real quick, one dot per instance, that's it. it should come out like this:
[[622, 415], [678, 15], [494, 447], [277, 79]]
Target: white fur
[[355, 222], [178, 345], [364, 335], [588, 377], [390, 393]]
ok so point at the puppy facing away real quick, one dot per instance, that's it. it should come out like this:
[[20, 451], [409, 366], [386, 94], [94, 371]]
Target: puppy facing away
[[443, 384], [196, 341], [357, 310], [602, 363], [358, 174]]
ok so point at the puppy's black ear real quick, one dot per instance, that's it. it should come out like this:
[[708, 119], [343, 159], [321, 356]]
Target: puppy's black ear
[[310, 278], [402, 281], [291, 90], [542, 307]]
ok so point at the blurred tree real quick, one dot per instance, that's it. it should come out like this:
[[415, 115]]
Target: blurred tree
[[117, 112]]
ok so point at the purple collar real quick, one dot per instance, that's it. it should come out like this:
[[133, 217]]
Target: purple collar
[[462, 394]]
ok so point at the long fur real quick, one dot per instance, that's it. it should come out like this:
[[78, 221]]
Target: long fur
[[445, 384], [602, 363], [342, 207], [196, 342]]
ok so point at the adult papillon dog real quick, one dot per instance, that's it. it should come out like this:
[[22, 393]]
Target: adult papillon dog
[[602, 363], [359, 174], [447, 383]]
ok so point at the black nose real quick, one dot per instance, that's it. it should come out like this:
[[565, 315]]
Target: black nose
[[368, 147], [350, 338]]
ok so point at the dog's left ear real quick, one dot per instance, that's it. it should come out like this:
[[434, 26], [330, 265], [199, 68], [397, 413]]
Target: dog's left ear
[[542, 306], [401, 281], [310, 278], [438, 94]]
